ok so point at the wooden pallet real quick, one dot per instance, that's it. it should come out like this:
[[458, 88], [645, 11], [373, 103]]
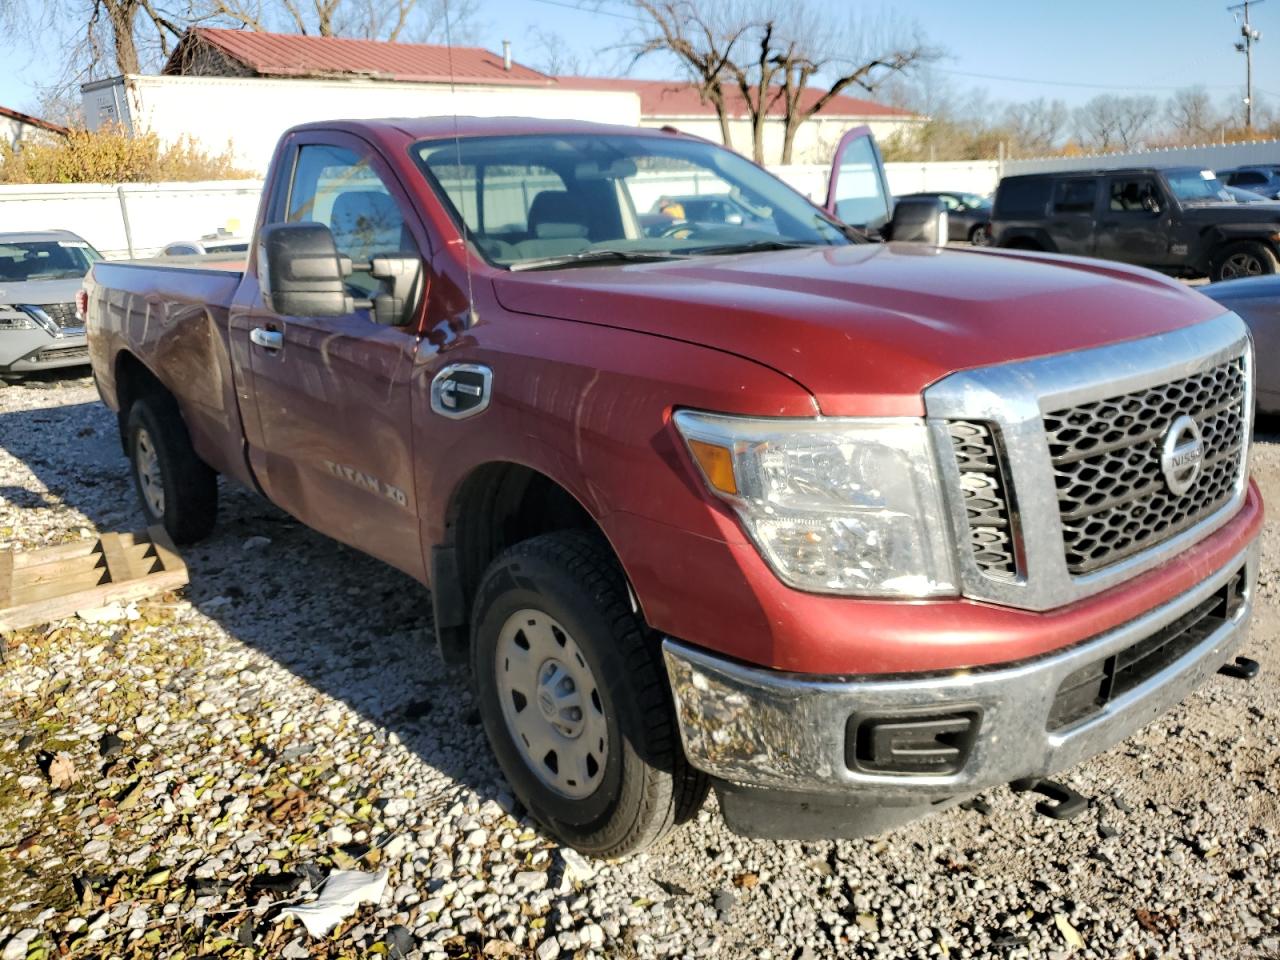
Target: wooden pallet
[[37, 586]]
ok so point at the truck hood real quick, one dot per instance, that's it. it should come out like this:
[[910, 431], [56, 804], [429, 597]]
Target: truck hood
[[1213, 214], [40, 292], [866, 328]]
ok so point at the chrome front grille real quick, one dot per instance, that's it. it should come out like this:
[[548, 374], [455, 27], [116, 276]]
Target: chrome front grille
[[1112, 495], [987, 508], [63, 314], [1055, 467]]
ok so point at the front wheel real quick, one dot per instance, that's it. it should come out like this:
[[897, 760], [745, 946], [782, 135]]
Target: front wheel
[[176, 488], [1245, 259], [574, 697], [980, 235]]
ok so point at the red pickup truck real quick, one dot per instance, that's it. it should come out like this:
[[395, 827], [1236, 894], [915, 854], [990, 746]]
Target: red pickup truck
[[737, 497]]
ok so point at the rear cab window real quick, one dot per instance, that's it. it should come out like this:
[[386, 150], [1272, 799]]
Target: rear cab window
[[1075, 196], [1023, 199]]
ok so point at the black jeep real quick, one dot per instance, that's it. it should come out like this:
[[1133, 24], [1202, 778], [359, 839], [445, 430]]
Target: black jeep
[[1179, 220]]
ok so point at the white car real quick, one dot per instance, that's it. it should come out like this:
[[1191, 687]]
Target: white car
[[210, 244], [41, 327]]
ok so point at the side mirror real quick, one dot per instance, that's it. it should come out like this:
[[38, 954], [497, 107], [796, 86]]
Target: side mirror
[[302, 274], [1150, 203], [918, 220], [400, 277]]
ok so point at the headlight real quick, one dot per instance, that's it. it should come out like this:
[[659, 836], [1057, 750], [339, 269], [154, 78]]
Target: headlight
[[847, 506], [14, 318]]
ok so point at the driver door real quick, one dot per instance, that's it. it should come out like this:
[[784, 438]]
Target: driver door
[[857, 191], [333, 444], [1135, 222]]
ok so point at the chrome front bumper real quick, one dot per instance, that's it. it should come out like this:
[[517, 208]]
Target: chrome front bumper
[[787, 732]]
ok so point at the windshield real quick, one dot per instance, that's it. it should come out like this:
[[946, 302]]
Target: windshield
[[1195, 186], [543, 199], [25, 260]]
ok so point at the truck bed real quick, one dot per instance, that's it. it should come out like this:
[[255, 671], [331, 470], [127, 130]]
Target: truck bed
[[171, 316]]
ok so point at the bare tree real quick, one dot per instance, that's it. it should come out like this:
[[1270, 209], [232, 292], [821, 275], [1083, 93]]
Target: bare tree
[[1110, 122], [418, 21], [791, 60], [1036, 126], [553, 55], [815, 54], [1190, 115], [702, 37]]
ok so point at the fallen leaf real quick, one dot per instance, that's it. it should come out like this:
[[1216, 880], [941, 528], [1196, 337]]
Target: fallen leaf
[[1069, 933], [746, 880], [62, 771]]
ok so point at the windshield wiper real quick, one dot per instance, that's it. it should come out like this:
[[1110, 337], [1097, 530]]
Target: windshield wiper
[[586, 257], [751, 246]]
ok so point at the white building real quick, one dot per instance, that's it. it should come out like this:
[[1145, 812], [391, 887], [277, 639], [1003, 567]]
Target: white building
[[241, 89], [17, 128], [666, 103]]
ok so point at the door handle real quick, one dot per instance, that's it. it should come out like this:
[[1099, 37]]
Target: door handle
[[267, 339]]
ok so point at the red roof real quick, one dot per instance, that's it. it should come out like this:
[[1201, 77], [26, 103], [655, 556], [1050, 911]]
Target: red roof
[[33, 121], [673, 98], [296, 55]]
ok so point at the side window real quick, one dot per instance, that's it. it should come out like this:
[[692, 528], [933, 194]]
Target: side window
[[337, 187], [1248, 178], [1132, 195], [1075, 196], [950, 201]]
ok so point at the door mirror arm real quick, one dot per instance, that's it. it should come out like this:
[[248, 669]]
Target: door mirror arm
[[400, 277]]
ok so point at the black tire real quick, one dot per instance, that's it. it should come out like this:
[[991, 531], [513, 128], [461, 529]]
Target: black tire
[[646, 786], [1246, 258], [189, 505]]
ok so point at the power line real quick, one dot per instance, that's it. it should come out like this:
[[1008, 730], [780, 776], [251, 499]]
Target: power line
[[567, 5]]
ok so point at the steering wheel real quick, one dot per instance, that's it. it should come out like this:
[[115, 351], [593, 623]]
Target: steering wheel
[[678, 231]]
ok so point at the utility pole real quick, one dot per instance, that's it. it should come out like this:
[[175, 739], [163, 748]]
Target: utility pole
[[1251, 36]]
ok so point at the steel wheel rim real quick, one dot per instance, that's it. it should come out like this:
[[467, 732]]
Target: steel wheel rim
[[551, 703], [1241, 265], [146, 464]]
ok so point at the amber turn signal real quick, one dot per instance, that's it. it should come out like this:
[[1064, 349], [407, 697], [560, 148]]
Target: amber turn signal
[[717, 465]]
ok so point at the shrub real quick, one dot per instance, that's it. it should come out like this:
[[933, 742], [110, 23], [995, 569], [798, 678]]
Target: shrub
[[110, 155]]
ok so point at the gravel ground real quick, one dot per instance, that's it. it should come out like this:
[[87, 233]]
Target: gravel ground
[[167, 778]]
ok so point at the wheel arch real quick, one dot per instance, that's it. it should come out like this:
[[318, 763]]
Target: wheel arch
[[495, 506], [133, 379]]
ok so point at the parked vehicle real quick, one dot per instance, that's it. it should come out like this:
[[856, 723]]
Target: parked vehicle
[[1263, 179], [1173, 220], [1241, 195], [735, 507], [1257, 301], [672, 214], [40, 327], [210, 243], [968, 215]]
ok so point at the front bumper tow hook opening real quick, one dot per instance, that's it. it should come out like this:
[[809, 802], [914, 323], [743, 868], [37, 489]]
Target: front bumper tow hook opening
[[1242, 668], [1062, 802]]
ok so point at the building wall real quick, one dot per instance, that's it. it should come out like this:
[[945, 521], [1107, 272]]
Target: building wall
[[249, 114], [14, 132], [815, 141]]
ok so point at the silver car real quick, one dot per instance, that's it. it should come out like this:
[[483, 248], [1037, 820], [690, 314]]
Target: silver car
[[1257, 301], [40, 325]]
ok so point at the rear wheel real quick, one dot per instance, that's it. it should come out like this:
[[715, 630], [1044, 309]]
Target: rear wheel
[[1245, 259], [980, 235], [574, 697], [176, 488]]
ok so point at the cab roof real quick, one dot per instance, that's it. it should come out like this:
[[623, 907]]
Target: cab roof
[[431, 128]]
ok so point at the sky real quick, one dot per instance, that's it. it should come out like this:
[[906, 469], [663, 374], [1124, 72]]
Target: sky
[[1014, 49]]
